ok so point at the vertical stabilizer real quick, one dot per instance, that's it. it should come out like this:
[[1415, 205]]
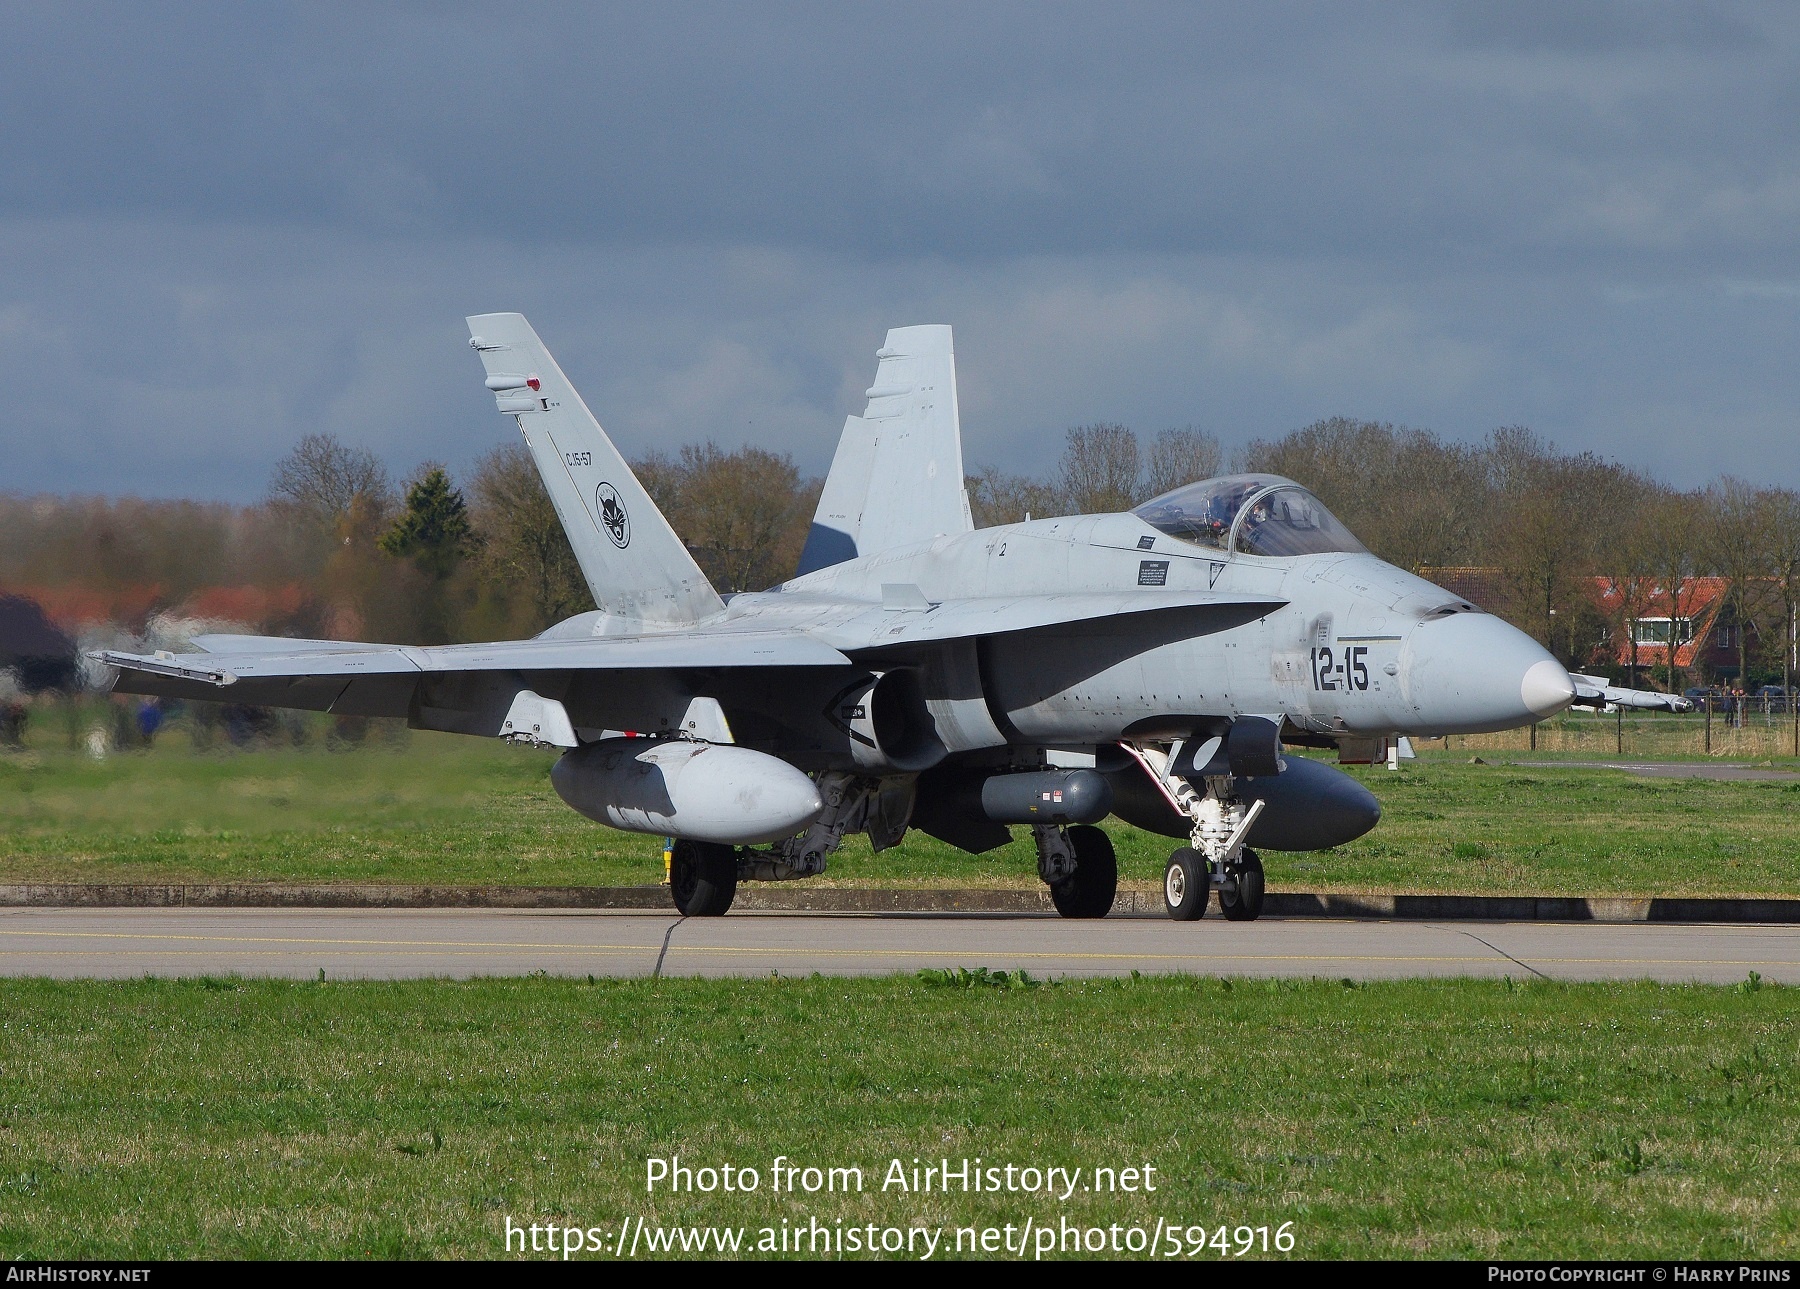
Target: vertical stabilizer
[[634, 563], [897, 477]]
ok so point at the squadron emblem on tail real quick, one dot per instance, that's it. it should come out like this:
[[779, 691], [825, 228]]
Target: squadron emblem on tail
[[612, 515]]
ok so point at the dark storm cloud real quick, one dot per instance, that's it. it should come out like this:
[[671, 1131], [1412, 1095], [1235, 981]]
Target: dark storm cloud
[[919, 128], [223, 226]]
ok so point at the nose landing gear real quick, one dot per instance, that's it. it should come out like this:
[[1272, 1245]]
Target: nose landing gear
[[1216, 855], [1187, 885], [1241, 893]]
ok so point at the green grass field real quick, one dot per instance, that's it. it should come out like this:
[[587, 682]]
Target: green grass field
[[446, 810], [1472, 1119], [237, 1118]]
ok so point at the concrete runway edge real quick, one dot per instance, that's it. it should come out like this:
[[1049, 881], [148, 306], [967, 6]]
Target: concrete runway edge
[[372, 943], [771, 899]]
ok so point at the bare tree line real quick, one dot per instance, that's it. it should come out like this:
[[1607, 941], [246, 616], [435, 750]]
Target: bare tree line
[[1541, 522], [431, 558], [1545, 520], [1102, 469], [422, 559]]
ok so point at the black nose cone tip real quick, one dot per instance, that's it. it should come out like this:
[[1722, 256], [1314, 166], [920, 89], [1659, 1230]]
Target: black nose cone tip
[[1311, 806], [1360, 809]]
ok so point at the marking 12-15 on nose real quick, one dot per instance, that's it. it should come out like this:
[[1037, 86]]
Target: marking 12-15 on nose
[[1331, 672]]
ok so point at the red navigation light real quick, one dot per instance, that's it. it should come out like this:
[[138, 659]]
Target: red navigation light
[[533, 381]]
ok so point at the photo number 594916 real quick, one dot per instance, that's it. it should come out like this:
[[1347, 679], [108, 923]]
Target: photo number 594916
[[1347, 668]]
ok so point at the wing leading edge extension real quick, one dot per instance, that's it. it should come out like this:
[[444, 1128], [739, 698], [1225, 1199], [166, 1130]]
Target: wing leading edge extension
[[910, 620]]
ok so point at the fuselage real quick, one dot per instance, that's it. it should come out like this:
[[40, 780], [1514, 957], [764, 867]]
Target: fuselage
[[1358, 647]]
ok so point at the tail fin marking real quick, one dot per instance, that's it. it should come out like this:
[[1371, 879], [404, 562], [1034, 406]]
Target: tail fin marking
[[635, 565]]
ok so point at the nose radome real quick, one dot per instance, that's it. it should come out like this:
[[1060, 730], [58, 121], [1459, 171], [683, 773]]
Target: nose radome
[[1472, 673], [1546, 688]]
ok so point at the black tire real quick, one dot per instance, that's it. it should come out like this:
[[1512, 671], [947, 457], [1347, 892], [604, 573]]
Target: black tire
[[1187, 885], [1088, 891], [702, 878], [1244, 901]]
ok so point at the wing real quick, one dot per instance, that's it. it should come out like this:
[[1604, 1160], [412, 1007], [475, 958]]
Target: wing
[[643, 682], [324, 659], [230, 661], [274, 644], [469, 689]]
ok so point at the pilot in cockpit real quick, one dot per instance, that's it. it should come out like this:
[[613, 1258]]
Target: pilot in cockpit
[[1278, 517]]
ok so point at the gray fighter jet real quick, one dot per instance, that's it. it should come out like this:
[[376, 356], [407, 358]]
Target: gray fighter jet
[[920, 673]]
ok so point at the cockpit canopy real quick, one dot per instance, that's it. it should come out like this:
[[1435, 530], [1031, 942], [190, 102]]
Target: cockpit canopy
[[1255, 514]]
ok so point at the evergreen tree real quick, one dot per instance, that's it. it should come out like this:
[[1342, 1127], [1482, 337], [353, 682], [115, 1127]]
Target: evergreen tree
[[433, 531], [433, 534]]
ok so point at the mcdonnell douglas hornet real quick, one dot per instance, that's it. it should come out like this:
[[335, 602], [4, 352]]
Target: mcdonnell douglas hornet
[[918, 672]]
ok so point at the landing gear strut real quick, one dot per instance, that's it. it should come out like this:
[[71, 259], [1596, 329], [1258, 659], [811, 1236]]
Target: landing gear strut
[[703, 876], [1080, 867], [1219, 822]]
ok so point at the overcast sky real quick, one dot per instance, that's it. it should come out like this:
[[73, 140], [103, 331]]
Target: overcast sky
[[225, 226]]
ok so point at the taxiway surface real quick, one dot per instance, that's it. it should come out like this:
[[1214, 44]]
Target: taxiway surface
[[387, 944], [1722, 770]]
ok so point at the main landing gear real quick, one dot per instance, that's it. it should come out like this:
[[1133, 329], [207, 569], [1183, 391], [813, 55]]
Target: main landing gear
[[703, 878], [1080, 867], [1216, 855]]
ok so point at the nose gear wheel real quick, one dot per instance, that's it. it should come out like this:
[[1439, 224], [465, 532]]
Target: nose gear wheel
[[1187, 884], [1241, 895]]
